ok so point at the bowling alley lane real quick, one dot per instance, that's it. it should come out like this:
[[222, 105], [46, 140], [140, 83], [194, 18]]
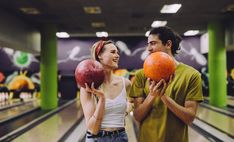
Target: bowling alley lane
[[19, 110], [67, 123], [220, 121], [194, 136], [230, 103], [15, 116], [55, 127], [10, 104]]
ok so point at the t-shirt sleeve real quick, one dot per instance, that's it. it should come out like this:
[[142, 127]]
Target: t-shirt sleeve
[[195, 88], [137, 89]]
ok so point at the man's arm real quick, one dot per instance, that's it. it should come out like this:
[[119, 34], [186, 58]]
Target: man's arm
[[142, 107], [186, 113]]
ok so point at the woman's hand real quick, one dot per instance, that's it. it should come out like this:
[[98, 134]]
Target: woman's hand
[[99, 93]]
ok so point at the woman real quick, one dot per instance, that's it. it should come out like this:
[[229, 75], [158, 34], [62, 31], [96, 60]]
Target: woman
[[105, 108]]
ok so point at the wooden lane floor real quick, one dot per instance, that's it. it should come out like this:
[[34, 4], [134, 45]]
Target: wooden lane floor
[[220, 121], [18, 110], [194, 136], [53, 128]]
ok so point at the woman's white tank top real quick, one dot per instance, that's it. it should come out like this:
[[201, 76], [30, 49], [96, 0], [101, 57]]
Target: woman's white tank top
[[115, 110]]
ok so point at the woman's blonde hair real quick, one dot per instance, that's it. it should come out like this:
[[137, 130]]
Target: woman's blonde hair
[[98, 47]]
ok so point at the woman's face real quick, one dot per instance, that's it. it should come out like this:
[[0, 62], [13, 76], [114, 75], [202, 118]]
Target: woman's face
[[110, 56]]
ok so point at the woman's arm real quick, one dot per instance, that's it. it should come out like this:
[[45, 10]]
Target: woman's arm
[[93, 112]]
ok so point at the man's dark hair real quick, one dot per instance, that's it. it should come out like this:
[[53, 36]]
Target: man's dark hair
[[164, 34]]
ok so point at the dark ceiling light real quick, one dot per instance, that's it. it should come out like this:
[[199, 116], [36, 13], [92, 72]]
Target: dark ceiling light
[[230, 8], [98, 24], [92, 10], [30, 10]]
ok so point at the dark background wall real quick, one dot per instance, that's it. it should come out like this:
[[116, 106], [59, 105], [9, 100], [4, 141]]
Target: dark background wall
[[132, 54], [79, 49], [72, 51]]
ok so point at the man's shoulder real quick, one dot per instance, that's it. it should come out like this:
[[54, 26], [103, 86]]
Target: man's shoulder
[[140, 75], [189, 69], [140, 72]]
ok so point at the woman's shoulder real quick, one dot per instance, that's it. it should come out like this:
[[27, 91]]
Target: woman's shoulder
[[127, 82]]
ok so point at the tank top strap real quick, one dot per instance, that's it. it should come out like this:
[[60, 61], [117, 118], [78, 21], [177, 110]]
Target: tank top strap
[[123, 79]]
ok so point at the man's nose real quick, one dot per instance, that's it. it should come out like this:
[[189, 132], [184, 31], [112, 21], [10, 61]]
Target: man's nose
[[149, 48]]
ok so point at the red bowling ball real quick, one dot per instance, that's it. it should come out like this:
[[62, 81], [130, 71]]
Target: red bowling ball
[[89, 71]]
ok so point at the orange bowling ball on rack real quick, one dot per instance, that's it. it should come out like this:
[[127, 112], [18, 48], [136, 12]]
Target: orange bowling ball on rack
[[159, 65]]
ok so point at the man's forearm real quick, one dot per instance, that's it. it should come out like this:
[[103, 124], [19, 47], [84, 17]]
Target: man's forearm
[[142, 110], [187, 115]]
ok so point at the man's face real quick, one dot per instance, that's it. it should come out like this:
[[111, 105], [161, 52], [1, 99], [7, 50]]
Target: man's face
[[155, 44]]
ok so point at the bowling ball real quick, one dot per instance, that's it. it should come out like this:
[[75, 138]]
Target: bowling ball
[[2, 77], [89, 71], [159, 65], [18, 84]]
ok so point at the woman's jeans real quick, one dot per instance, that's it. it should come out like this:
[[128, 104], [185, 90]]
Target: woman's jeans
[[104, 136]]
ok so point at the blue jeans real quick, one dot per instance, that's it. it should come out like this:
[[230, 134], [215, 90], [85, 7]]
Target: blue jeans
[[118, 137]]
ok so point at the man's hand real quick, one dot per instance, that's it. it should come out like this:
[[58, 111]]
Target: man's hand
[[158, 88]]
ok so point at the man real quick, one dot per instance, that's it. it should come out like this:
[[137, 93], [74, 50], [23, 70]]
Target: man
[[163, 109]]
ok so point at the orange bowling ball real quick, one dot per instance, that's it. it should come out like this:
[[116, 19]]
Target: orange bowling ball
[[159, 65]]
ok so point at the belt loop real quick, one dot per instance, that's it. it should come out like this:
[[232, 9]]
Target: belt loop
[[103, 133]]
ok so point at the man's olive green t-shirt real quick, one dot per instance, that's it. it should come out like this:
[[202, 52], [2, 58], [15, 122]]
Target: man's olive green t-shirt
[[160, 124]]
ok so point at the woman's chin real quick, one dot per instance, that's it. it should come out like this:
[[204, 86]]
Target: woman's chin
[[115, 66]]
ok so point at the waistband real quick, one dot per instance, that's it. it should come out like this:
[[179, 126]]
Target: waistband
[[103, 133]]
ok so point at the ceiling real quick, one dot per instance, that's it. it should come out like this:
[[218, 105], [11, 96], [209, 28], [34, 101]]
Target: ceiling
[[120, 17]]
